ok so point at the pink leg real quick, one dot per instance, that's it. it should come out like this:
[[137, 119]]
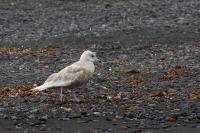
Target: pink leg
[[76, 99], [61, 94]]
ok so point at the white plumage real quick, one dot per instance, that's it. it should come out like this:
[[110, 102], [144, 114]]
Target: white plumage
[[74, 75]]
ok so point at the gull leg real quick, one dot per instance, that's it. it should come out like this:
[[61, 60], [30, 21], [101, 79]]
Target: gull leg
[[75, 97], [61, 94]]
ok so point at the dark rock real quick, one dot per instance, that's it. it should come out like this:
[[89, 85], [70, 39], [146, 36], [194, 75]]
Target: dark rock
[[125, 127], [107, 5], [85, 121], [74, 115], [129, 115], [84, 113], [136, 131], [5, 117], [65, 119], [165, 126], [108, 119], [18, 126]]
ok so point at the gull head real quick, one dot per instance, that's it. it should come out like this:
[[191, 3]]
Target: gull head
[[88, 56]]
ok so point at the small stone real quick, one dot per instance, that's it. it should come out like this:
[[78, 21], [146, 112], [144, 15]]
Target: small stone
[[44, 118], [43, 129], [5, 117], [32, 116], [34, 110], [84, 113], [167, 129], [198, 126], [66, 109], [125, 127], [129, 115], [26, 131], [79, 131], [33, 129], [37, 123], [12, 4], [73, 27], [74, 115], [152, 105], [107, 5], [65, 119], [165, 126], [2, 109], [85, 121], [136, 131], [58, 128], [13, 117], [118, 117], [1, 115], [108, 119], [35, 85], [97, 113], [18, 126]]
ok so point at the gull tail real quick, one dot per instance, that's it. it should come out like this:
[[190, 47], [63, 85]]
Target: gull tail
[[42, 87]]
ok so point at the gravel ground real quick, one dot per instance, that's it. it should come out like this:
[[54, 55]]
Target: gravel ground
[[148, 81]]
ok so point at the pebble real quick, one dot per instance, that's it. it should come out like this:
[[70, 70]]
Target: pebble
[[44, 118], [43, 129], [125, 127], [66, 109], [65, 119], [1, 116], [165, 126], [74, 115], [37, 123], [108, 119], [26, 131], [118, 117], [5, 117], [18, 126], [13, 117], [84, 113], [31, 116], [136, 131], [85, 121], [97, 113], [2, 109]]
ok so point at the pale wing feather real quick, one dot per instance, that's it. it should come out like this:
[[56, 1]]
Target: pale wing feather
[[55, 77], [52, 77], [73, 75]]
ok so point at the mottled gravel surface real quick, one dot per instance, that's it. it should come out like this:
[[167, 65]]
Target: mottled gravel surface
[[149, 79]]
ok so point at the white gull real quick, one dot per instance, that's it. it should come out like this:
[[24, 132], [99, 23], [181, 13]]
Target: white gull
[[72, 76]]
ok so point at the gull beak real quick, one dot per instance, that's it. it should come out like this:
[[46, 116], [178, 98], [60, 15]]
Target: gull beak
[[98, 60]]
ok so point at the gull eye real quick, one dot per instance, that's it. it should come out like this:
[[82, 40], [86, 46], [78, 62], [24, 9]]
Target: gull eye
[[92, 56]]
